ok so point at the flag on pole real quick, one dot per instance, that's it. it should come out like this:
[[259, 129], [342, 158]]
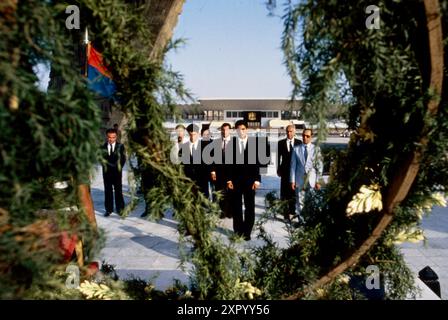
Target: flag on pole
[[99, 78]]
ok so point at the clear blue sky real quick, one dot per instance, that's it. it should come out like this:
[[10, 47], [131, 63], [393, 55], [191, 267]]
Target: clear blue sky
[[232, 51]]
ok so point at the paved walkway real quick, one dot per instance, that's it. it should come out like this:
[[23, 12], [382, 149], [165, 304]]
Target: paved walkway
[[149, 250], [433, 253]]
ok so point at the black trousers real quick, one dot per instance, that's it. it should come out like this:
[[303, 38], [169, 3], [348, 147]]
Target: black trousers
[[287, 194], [243, 224], [112, 184], [226, 201]]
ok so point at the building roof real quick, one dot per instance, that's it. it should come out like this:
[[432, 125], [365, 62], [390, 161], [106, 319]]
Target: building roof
[[242, 104]]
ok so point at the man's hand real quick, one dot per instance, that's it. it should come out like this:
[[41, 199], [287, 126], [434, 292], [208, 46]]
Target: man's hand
[[317, 186], [255, 185], [229, 185], [213, 176], [293, 185]]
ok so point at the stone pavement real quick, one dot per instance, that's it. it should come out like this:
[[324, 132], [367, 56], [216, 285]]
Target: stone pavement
[[149, 250], [433, 253]]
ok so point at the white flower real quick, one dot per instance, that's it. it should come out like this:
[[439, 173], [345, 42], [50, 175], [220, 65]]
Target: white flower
[[247, 289], [320, 292], [343, 278], [367, 199], [436, 199], [439, 199], [412, 234], [94, 290]]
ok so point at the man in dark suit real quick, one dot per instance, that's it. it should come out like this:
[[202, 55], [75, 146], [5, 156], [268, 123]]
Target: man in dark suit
[[219, 179], [243, 178], [114, 160], [191, 155], [285, 148]]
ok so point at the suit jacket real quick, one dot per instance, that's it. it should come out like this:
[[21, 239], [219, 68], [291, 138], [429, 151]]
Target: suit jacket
[[195, 167], [116, 160], [284, 157], [306, 174], [218, 153], [244, 169]]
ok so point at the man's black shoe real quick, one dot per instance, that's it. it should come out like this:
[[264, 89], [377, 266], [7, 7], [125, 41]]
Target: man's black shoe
[[107, 214]]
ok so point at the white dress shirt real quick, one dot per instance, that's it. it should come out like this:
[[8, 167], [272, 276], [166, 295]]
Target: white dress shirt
[[193, 145], [110, 148], [240, 144], [289, 143], [225, 142]]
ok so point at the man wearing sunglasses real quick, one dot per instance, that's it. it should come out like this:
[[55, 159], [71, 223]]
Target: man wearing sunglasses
[[306, 168]]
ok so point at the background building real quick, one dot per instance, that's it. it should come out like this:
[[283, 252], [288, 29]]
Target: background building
[[258, 112]]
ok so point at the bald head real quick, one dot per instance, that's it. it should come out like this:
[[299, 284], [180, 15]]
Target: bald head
[[290, 131]]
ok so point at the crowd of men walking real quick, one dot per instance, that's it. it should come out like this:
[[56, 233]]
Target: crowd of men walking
[[230, 165]]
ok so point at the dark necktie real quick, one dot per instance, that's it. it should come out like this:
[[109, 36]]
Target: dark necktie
[[290, 146], [110, 149], [305, 153]]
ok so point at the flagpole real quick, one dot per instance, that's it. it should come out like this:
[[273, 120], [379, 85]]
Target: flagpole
[[87, 44]]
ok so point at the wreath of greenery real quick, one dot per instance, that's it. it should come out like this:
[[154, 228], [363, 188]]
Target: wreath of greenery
[[391, 82]]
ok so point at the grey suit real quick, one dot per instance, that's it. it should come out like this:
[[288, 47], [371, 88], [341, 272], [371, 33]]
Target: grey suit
[[305, 174]]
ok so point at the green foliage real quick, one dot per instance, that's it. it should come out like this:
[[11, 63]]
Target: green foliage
[[380, 77], [46, 137], [138, 289], [146, 90], [52, 136]]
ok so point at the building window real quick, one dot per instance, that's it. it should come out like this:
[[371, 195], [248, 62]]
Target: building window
[[221, 115], [269, 114], [275, 114], [234, 114], [240, 115], [263, 114], [229, 114]]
